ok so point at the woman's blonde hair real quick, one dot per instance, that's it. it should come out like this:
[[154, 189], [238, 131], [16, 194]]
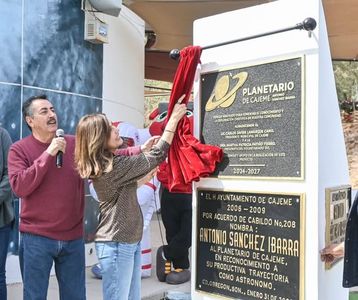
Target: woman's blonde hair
[[92, 157]]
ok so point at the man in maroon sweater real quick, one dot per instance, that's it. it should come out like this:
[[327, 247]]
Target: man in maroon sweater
[[52, 205]]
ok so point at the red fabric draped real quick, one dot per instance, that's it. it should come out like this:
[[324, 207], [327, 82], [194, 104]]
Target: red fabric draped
[[188, 158]]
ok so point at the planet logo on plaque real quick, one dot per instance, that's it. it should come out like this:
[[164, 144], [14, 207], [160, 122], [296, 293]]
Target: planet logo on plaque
[[222, 97]]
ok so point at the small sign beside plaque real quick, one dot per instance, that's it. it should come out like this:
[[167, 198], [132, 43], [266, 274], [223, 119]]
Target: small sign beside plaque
[[338, 200]]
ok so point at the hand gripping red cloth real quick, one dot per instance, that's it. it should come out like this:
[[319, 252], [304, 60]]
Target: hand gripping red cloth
[[188, 158]]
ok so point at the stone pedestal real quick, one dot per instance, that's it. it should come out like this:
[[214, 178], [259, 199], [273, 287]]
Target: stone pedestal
[[270, 103]]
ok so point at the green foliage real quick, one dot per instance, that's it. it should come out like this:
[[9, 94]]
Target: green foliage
[[151, 101], [353, 296], [346, 75]]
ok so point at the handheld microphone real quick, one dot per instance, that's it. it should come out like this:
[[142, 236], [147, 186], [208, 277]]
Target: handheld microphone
[[59, 133]]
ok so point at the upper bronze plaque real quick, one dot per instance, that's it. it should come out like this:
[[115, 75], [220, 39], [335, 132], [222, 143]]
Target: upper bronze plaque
[[255, 115]]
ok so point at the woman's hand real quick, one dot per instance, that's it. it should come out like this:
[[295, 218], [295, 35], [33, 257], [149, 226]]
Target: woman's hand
[[147, 146], [178, 112]]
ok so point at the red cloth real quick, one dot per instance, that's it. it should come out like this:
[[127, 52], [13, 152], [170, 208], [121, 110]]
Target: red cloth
[[188, 158]]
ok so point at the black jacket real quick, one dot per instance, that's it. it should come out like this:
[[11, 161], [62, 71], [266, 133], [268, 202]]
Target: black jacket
[[6, 199], [350, 272]]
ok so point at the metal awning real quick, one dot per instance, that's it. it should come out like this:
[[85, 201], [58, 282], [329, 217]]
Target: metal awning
[[172, 21]]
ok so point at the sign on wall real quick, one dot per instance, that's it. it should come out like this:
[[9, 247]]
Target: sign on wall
[[255, 115], [250, 245]]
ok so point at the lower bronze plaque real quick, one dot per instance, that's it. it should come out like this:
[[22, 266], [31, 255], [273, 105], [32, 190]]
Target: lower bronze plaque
[[250, 245]]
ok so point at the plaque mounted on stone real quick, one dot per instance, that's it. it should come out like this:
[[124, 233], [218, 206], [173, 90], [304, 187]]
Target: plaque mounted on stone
[[250, 245], [255, 114]]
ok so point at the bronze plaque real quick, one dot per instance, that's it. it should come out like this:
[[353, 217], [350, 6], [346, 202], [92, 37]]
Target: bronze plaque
[[250, 245], [255, 114]]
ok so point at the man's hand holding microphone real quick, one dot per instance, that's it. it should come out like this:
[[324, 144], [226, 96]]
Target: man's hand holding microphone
[[57, 147]]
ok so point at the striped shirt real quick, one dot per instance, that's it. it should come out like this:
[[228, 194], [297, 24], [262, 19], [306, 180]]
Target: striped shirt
[[121, 218]]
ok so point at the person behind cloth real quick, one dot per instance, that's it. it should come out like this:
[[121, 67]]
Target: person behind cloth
[[115, 180], [6, 208], [172, 260], [52, 205]]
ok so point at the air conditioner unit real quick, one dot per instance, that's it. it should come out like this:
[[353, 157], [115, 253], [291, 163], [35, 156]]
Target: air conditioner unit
[[96, 31], [109, 7]]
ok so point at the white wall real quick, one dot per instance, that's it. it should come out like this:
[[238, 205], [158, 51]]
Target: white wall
[[322, 127], [123, 68]]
